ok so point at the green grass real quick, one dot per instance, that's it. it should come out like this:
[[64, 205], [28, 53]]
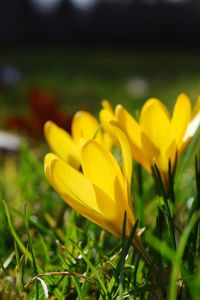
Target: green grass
[[49, 250]]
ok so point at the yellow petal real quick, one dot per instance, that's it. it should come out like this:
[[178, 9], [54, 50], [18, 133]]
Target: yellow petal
[[190, 132], [142, 147], [180, 118], [62, 144], [107, 141], [85, 126], [105, 115], [82, 195], [156, 125], [101, 168], [125, 149], [192, 126], [47, 162], [106, 104], [126, 165], [157, 102]]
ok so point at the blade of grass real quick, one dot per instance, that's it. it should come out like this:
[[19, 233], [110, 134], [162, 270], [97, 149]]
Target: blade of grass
[[126, 243], [168, 213], [19, 267], [15, 235], [186, 158], [74, 279], [171, 175], [21, 246], [179, 255], [160, 246], [140, 291], [92, 268], [35, 271], [197, 176]]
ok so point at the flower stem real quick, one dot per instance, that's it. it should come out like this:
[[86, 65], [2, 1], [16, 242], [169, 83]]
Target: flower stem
[[144, 254]]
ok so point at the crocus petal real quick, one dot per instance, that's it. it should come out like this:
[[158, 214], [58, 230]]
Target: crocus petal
[[106, 104], [106, 114], [126, 166], [47, 162], [85, 126], [156, 102], [180, 118], [107, 140], [62, 144], [81, 194], [190, 132], [156, 125], [142, 147], [101, 168], [125, 148]]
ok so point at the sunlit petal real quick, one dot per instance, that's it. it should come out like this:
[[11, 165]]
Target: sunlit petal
[[106, 104], [82, 195], [62, 144], [101, 168], [156, 125], [126, 166], [85, 126], [141, 146], [156, 102], [105, 115], [190, 132], [125, 149], [47, 162], [180, 118]]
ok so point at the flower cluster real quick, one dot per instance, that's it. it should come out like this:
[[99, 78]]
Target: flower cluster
[[85, 173]]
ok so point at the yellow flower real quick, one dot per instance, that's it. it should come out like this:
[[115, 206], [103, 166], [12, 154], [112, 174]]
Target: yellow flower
[[67, 147], [157, 137], [102, 192]]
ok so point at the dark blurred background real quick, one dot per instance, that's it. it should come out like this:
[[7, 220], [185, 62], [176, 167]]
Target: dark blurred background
[[74, 53], [155, 23]]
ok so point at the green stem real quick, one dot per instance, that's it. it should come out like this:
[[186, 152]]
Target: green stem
[[168, 213], [145, 256]]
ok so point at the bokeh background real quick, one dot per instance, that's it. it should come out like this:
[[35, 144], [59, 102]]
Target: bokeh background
[[58, 56]]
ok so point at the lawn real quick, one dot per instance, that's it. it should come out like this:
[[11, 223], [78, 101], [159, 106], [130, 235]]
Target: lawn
[[50, 251]]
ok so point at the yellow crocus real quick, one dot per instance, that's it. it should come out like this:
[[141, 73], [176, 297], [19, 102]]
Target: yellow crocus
[[101, 192], [158, 137], [67, 147]]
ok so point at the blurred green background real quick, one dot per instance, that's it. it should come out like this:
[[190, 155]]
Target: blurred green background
[[80, 78]]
